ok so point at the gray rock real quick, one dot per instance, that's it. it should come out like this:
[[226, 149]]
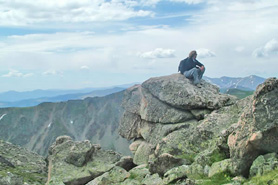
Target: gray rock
[[67, 168], [264, 164], [80, 154], [134, 145], [177, 91], [163, 163], [19, 166], [11, 179], [175, 174], [126, 163], [142, 153], [220, 167], [257, 132], [114, 176], [152, 180], [133, 127], [131, 182], [139, 101], [139, 173]]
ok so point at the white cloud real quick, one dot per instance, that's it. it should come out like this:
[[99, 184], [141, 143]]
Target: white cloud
[[84, 68], [189, 1], [42, 11], [15, 73], [158, 53], [52, 72], [205, 53], [271, 47], [149, 2], [259, 53]]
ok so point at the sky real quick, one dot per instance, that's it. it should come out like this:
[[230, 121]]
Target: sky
[[72, 44]]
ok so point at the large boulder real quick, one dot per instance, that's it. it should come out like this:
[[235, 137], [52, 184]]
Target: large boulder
[[168, 100], [178, 91], [75, 163], [139, 101], [19, 166], [164, 113], [257, 131], [142, 154], [205, 141]]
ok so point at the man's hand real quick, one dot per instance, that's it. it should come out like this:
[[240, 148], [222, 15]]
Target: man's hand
[[202, 68]]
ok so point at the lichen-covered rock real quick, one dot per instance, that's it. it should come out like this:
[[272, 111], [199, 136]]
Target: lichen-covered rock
[[152, 180], [177, 91], [167, 100], [175, 174], [204, 142], [134, 145], [220, 167], [257, 131], [163, 163], [11, 179], [130, 182], [142, 153], [139, 173], [114, 176], [19, 166], [264, 164], [139, 101], [92, 163]]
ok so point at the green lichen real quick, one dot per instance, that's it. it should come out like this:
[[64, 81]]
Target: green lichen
[[268, 178], [216, 156], [217, 179], [187, 156], [29, 177]]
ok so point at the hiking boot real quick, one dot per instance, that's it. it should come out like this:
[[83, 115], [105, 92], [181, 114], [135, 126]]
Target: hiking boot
[[198, 85]]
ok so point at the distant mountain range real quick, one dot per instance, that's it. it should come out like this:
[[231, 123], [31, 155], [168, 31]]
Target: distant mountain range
[[248, 83], [33, 98]]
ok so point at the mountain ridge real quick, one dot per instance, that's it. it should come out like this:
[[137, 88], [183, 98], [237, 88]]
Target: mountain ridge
[[243, 83], [60, 98], [35, 128], [11, 96]]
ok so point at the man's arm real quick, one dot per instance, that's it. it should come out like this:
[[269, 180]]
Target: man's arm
[[200, 65]]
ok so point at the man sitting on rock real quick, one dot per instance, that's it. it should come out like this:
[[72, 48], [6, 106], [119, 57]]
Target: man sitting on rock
[[192, 68]]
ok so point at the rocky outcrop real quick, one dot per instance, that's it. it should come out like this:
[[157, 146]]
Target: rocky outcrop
[[257, 131], [19, 166], [210, 133], [74, 163], [163, 113]]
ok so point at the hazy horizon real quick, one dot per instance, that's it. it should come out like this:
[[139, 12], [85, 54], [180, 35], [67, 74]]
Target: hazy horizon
[[82, 44]]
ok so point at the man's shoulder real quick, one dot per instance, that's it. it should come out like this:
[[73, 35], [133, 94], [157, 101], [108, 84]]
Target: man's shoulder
[[186, 59]]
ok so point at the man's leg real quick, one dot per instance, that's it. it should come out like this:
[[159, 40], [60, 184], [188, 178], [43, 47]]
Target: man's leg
[[193, 74], [201, 73]]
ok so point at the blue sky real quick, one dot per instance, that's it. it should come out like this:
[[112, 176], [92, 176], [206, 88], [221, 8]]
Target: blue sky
[[69, 44]]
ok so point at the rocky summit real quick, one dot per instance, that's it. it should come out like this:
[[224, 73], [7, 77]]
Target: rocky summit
[[180, 134]]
